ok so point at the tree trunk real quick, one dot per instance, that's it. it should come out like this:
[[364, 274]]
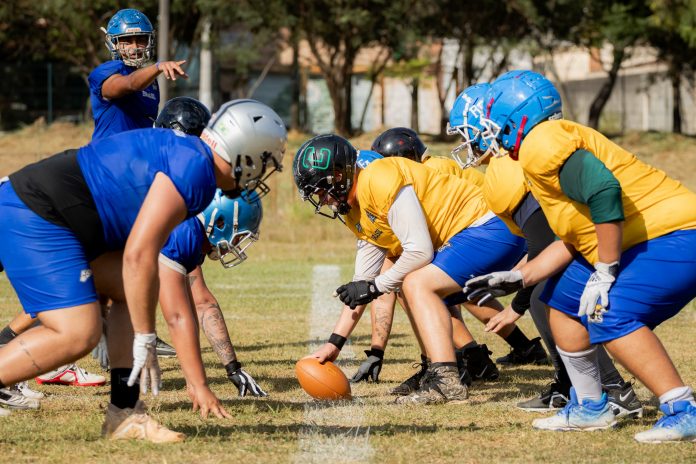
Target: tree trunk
[[604, 93], [675, 78], [415, 84], [295, 84]]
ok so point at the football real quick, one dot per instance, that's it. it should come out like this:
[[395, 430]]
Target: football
[[322, 381]]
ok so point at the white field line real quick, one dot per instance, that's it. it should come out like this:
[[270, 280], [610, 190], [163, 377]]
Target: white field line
[[333, 431]]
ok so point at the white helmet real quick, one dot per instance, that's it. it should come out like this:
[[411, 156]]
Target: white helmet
[[252, 138]]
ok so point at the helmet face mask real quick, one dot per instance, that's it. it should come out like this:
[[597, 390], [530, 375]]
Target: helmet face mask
[[130, 24], [232, 226], [323, 170], [465, 120], [252, 138]]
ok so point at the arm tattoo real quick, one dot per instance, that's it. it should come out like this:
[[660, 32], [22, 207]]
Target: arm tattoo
[[215, 330], [383, 323]]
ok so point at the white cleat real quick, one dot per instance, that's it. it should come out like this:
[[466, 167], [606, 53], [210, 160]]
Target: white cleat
[[588, 416]]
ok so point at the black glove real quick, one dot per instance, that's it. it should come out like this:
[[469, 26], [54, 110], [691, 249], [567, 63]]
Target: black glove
[[370, 368], [486, 287], [357, 293], [243, 381]]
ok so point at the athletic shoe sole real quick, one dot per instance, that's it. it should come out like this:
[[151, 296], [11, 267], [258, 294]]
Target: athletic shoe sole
[[73, 383]]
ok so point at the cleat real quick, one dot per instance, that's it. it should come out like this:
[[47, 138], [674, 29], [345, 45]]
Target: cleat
[[588, 416], [71, 374], [677, 424], [462, 366], [554, 397], [479, 363], [412, 383], [23, 389], [136, 424], [164, 349], [533, 354], [623, 400], [13, 400], [439, 385]]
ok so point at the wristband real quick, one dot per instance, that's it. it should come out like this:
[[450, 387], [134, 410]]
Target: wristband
[[337, 340], [157, 65]]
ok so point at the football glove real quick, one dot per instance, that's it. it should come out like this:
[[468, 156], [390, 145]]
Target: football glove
[[243, 381], [101, 353], [357, 293], [595, 297], [370, 368], [486, 287], [145, 364]]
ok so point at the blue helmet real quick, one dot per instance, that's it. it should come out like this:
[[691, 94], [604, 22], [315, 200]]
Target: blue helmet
[[128, 23], [516, 102], [465, 120], [232, 225]]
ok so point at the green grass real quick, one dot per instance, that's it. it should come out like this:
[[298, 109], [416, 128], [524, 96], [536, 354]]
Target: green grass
[[267, 304]]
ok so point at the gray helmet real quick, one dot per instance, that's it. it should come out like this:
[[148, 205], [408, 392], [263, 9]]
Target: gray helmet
[[252, 138]]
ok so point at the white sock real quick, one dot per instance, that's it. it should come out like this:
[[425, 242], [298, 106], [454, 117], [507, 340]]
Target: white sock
[[677, 394], [583, 370]]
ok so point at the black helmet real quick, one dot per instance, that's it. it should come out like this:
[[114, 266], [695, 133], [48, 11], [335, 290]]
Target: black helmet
[[185, 114], [325, 164], [400, 141]]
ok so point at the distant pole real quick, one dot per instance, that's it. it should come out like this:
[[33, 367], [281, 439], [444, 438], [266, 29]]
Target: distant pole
[[205, 90], [163, 47], [49, 93]]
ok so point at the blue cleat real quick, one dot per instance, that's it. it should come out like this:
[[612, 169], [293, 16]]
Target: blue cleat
[[588, 416], [677, 424]]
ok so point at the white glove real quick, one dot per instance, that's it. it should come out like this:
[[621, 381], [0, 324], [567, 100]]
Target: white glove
[[493, 285], [101, 353], [145, 363], [595, 298]]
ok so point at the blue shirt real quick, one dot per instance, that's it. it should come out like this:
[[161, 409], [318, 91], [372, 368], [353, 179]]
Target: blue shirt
[[133, 111], [120, 169], [185, 244]]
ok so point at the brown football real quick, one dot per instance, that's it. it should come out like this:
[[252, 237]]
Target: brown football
[[322, 381]]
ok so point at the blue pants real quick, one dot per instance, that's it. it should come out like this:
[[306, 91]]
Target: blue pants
[[656, 280]]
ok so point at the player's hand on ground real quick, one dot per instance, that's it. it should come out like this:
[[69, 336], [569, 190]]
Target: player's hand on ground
[[503, 319], [101, 353], [171, 69], [370, 368], [359, 292], [327, 352], [244, 382], [595, 297], [205, 401], [145, 364], [486, 287]]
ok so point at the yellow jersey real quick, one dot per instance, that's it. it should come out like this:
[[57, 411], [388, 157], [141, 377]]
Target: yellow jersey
[[504, 188], [449, 203], [449, 166], [654, 204]]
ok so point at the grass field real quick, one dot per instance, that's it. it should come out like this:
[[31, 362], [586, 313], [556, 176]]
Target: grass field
[[268, 306]]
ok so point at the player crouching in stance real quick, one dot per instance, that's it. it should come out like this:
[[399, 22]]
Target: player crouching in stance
[[404, 204], [118, 198], [628, 237]]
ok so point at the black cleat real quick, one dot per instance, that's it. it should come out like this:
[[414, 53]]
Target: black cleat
[[533, 354], [479, 364], [554, 397], [164, 350], [464, 374], [412, 383], [623, 400]]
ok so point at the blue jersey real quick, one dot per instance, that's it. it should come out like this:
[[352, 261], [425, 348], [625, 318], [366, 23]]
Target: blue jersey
[[134, 111], [120, 169], [185, 244]]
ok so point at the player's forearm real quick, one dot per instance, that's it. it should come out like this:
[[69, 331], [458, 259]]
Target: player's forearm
[[184, 332], [609, 241], [142, 78], [141, 285], [215, 330], [348, 320], [549, 262], [382, 312]]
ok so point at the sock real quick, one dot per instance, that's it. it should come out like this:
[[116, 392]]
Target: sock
[[583, 373], [517, 339], [561, 375], [677, 394], [123, 396], [6, 335], [607, 370], [471, 344]]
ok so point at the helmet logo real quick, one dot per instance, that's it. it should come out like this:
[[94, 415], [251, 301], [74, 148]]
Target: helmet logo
[[311, 159]]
